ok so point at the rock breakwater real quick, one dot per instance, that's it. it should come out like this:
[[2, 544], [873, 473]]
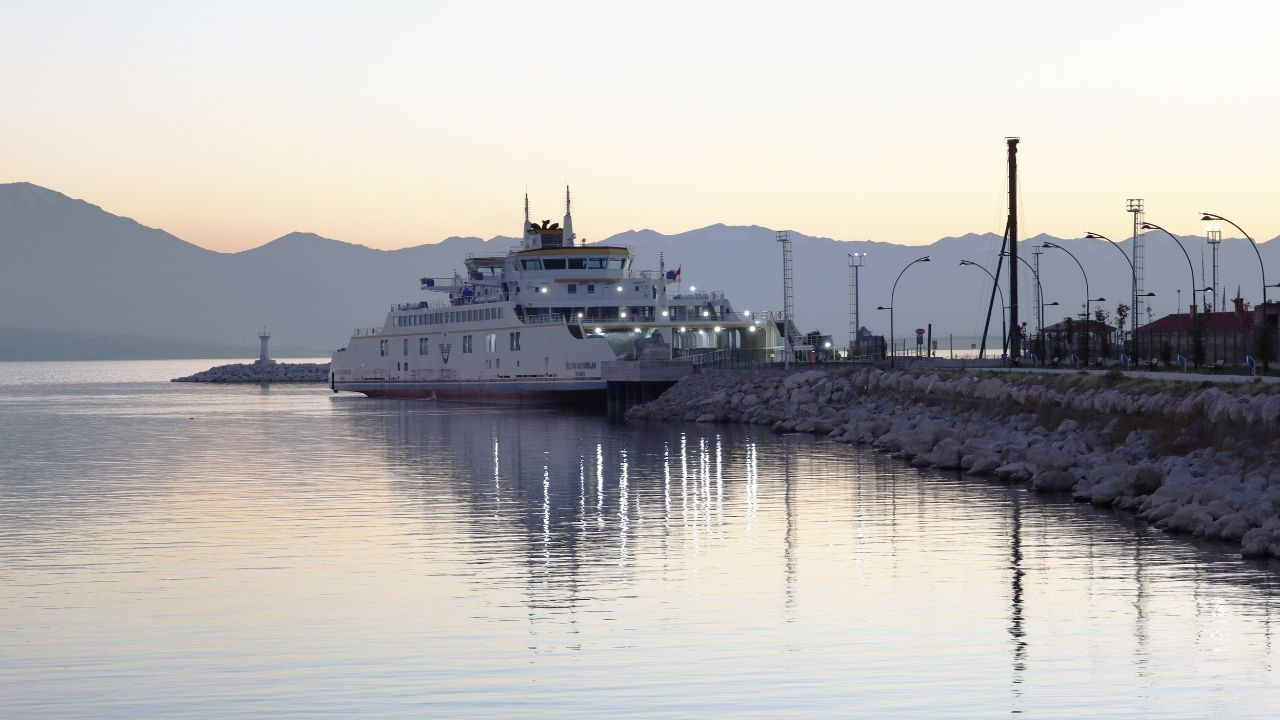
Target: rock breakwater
[[1197, 459], [259, 372]]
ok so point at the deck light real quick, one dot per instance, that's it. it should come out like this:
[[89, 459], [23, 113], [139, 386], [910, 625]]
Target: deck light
[[543, 290], [717, 328], [682, 329], [706, 313], [664, 313], [619, 288], [579, 316], [693, 288], [751, 328], [637, 330], [622, 314], [599, 331]]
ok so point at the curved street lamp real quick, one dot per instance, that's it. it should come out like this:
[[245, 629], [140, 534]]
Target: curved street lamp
[[1039, 294], [1190, 265], [1133, 274], [1211, 217], [1004, 329], [1087, 299], [892, 293]]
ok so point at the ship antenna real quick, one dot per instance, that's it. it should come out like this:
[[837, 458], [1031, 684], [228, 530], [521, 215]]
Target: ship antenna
[[526, 208]]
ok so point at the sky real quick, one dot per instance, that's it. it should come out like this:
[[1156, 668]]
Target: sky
[[393, 124]]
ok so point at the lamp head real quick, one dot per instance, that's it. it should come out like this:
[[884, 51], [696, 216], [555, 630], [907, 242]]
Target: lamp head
[[881, 307], [1046, 243], [1052, 304], [1210, 217], [1148, 226]]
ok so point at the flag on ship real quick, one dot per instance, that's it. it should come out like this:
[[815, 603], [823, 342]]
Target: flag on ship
[[673, 274]]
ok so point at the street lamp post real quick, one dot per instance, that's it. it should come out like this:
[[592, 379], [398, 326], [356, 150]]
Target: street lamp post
[[1039, 299], [892, 294], [1133, 276], [1211, 217], [1191, 266], [1087, 299], [1004, 330]]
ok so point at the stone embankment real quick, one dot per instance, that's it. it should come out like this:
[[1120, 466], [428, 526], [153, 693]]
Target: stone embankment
[[259, 372], [1197, 459]]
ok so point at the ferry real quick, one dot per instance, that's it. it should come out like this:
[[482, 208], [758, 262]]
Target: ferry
[[540, 323]]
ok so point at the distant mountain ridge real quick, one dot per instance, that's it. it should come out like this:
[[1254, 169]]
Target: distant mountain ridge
[[69, 265]]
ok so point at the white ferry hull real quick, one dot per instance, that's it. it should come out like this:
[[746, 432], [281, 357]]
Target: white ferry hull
[[573, 392]]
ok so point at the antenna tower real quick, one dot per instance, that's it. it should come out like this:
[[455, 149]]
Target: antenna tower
[[788, 292], [1135, 207]]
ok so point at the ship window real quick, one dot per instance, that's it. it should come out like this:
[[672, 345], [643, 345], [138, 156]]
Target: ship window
[[596, 263], [491, 342], [553, 264], [531, 264], [616, 263], [514, 340], [382, 348], [423, 345], [577, 263], [591, 287], [405, 347], [466, 343], [573, 288], [501, 312]]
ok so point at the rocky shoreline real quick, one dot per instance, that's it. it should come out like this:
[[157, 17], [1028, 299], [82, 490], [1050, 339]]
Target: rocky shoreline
[[260, 372], [1199, 459]]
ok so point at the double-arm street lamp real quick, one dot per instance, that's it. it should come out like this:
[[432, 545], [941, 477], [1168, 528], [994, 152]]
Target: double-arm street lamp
[[1039, 296], [1133, 274], [892, 294], [1190, 265], [1266, 348], [1087, 299]]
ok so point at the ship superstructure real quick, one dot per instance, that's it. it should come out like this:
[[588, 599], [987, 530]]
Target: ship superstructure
[[540, 322]]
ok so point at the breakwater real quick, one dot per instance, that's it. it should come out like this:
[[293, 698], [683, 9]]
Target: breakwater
[[1200, 459], [260, 372]]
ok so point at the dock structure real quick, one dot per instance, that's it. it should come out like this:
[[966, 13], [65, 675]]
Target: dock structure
[[631, 382]]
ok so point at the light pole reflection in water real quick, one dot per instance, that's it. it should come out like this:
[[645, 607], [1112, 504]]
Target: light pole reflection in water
[[1016, 631], [623, 517], [600, 486]]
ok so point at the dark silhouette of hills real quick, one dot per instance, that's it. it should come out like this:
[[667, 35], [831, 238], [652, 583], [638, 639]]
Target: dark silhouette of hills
[[71, 267]]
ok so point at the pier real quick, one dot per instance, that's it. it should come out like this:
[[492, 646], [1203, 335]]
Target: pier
[[633, 382]]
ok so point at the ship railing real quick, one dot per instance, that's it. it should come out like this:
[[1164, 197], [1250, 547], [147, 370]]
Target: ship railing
[[543, 318], [365, 332]]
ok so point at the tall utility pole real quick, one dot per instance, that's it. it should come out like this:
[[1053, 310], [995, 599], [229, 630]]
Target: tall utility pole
[[1135, 207], [856, 261], [1015, 334], [1215, 239], [788, 292]]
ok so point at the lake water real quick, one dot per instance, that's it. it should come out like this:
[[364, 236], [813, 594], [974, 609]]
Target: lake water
[[173, 550]]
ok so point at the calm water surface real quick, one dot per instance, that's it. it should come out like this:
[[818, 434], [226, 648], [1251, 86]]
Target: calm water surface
[[174, 550]]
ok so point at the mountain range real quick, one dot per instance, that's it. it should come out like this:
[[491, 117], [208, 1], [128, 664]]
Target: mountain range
[[67, 266]]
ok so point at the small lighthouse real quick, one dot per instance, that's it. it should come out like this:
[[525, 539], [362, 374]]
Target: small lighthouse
[[264, 337]]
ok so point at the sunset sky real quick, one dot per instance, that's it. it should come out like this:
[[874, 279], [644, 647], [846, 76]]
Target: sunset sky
[[394, 124]]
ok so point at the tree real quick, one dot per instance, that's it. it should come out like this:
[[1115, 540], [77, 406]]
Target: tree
[[1101, 318], [1122, 314]]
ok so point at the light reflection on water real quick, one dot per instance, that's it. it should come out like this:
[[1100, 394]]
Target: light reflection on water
[[188, 551]]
